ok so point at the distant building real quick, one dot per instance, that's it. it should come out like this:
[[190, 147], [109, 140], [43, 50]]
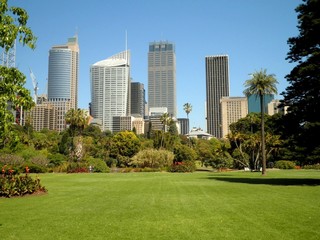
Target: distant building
[[122, 123], [254, 103], [63, 78], [184, 125], [217, 86], [273, 107], [137, 99], [42, 116], [110, 89], [232, 109], [162, 76], [138, 124], [199, 133]]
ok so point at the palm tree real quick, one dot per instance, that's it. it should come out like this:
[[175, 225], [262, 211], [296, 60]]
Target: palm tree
[[260, 85], [187, 107], [77, 120]]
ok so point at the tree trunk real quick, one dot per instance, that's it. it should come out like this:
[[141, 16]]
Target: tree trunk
[[263, 144]]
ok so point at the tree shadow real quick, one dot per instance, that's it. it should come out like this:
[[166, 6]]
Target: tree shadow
[[271, 181]]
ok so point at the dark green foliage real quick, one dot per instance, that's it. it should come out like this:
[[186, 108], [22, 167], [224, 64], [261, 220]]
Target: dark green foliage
[[184, 153], [187, 166], [283, 164], [315, 166], [303, 93]]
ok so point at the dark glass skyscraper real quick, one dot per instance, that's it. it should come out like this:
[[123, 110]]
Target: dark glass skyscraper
[[217, 86], [137, 99]]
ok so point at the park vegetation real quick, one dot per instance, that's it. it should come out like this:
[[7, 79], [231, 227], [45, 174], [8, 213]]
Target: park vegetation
[[258, 140]]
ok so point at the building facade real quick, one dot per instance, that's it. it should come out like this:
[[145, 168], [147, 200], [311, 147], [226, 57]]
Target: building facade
[[254, 103], [110, 89], [217, 86], [232, 109], [137, 99], [42, 116], [184, 125], [63, 78], [162, 76]]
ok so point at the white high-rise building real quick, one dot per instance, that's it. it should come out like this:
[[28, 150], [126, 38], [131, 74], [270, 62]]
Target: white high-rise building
[[110, 89]]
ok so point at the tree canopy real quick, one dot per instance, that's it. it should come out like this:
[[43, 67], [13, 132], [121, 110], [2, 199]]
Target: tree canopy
[[13, 94], [303, 93]]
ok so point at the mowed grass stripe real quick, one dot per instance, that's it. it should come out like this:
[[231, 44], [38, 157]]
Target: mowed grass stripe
[[167, 206]]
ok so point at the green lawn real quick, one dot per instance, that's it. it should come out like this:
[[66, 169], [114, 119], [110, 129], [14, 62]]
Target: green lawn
[[203, 205]]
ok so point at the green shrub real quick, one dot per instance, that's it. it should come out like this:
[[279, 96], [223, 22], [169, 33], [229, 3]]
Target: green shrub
[[35, 168], [152, 158], [187, 166], [18, 185], [284, 164], [314, 166], [11, 159], [183, 153], [97, 165], [74, 167]]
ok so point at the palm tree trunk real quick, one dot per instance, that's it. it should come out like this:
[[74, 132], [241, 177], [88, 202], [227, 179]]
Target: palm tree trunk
[[263, 141]]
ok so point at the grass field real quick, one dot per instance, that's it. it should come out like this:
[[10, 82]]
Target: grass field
[[202, 205]]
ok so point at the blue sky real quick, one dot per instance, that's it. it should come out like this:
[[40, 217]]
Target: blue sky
[[253, 33]]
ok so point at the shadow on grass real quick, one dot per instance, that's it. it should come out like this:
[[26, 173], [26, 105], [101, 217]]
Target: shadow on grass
[[271, 181]]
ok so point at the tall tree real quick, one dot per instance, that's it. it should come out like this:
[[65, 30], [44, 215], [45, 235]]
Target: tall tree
[[187, 107], [13, 25], [260, 85], [77, 120], [303, 93]]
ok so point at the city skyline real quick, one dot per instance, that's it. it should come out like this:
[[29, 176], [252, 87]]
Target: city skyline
[[242, 29]]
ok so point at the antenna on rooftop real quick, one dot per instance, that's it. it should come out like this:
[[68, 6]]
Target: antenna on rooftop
[[126, 48]]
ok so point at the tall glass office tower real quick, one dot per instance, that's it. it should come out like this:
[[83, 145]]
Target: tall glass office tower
[[63, 79], [162, 76], [63, 72], [217, 86], [110, 89]]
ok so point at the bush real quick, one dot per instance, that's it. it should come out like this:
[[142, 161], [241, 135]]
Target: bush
[[284, 164], [152, 158], [187, 166], [314, 166], [18, 185], [97, 165], [11, 159], [74, 167]]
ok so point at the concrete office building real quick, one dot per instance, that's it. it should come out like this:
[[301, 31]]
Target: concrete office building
[[217, 86], [110, 89], [162, 76], [232, 109]]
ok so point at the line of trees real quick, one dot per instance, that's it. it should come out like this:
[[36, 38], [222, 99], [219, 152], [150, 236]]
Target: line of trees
[[255, 141]]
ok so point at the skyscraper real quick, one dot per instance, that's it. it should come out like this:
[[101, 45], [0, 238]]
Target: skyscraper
[[110, 89], [217, 86], [63, 79], [137, 99], [63, 72], [162, 76]]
